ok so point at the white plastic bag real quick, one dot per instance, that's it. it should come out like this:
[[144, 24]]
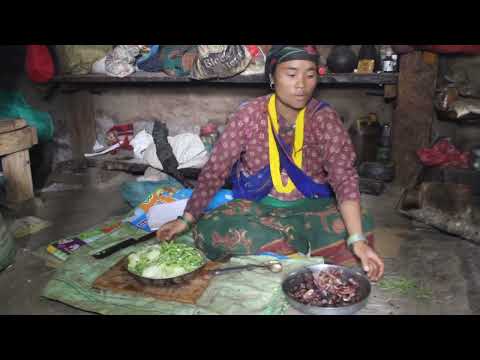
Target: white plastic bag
[[140, 143], [188, 149]]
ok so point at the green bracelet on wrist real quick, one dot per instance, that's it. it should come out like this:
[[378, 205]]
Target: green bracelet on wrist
[[355, 238], [181, 218]]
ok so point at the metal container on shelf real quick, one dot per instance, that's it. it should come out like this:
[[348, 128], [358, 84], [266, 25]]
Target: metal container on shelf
[[370, 52], [365, 137]]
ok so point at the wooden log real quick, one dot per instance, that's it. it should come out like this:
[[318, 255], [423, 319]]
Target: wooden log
[[18, 174], [461, 226], [18, 140], [11, 125], [414, 113]]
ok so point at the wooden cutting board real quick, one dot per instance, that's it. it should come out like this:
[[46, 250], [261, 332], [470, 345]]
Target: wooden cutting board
[[119, 280]]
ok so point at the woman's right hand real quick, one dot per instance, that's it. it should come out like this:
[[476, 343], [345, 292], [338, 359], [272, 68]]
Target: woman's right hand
[[169, 230]]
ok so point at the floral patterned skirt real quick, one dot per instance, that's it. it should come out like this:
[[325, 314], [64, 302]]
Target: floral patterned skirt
[[243, 227]]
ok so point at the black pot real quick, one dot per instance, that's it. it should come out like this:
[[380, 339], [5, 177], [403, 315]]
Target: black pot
[[377, 171], [342, 59]]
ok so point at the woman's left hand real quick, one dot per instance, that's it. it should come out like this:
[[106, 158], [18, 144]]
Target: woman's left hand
[[371, 262]]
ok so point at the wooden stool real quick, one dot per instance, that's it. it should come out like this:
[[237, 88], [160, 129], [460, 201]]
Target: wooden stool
[[16, 138]]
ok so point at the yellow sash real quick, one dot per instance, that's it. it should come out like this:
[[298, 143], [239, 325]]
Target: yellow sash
[[274, 155]]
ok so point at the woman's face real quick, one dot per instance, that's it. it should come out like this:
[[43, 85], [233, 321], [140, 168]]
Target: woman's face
[[295, 81]]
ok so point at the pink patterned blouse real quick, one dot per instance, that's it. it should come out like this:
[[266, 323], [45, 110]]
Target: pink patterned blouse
[[328, 154]]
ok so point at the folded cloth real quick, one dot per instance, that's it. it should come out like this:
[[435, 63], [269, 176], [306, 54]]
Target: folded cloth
[[444, 154], [150, 62], [166, 58]]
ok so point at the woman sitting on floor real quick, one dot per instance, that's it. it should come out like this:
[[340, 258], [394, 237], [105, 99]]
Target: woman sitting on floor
[[291, 163]]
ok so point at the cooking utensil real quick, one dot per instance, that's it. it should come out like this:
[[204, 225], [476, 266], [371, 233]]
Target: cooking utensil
[[122, 245], [357, 274], [273, 265], [175, 280]]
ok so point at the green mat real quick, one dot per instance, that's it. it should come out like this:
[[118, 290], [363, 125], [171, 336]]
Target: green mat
[[255, 292]]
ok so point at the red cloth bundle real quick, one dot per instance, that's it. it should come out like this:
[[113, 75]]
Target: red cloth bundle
[[444, 154]]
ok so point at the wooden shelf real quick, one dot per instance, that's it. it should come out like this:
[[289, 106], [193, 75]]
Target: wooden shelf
[[360, 79], [145, 77], [151, 78]]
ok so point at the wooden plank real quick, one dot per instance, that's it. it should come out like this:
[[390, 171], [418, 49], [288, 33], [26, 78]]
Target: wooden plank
[[11, 125], [359, 79], [80, 123], [118, 280], [18, 175], [414, 113], [17, 140], [140, 77]]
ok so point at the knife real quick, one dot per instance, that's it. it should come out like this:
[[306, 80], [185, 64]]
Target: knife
[[122, 245]]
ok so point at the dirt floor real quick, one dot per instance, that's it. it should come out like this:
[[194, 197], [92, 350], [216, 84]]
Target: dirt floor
[[446, 267]]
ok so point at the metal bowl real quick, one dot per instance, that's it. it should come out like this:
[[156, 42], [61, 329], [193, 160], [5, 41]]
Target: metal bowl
[[365, 289], [176, 280]]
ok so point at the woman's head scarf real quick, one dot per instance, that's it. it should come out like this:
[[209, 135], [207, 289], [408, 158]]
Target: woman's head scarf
[[282, 53]]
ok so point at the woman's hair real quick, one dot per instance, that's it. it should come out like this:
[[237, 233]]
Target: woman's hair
[[282, 53]]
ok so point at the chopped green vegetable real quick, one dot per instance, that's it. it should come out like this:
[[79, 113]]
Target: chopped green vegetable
[[165, 261], [403, 286]]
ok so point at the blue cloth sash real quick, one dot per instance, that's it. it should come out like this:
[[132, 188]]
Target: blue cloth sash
[[259, 185]]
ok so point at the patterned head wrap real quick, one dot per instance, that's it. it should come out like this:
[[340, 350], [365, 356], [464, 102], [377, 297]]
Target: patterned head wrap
[[282, 53]]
